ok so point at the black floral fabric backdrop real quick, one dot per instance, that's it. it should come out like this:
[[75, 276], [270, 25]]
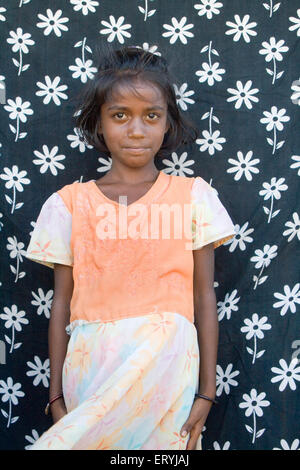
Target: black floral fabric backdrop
[[238, 77]]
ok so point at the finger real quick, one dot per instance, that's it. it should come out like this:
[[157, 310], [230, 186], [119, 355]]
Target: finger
[[194, 436]]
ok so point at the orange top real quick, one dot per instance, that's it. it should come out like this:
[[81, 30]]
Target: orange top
[[120, 270]]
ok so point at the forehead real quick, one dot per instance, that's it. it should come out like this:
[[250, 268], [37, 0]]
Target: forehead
[[136, 91]]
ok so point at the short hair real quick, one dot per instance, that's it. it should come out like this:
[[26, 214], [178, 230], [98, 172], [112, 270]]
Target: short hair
[[124, 66]]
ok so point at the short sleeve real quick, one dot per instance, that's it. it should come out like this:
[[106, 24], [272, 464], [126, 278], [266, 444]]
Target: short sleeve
[[51, 238], [211, 222]]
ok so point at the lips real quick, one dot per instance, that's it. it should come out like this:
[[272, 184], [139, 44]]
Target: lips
[[136, 150]]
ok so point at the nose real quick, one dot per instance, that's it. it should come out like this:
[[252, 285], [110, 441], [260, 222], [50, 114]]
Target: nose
[[136, 128]]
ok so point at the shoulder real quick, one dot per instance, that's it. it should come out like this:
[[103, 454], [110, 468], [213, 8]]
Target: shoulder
[[69, 191]]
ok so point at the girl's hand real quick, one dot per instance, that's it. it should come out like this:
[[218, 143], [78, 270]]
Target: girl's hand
[[58, 409], [196, 421]]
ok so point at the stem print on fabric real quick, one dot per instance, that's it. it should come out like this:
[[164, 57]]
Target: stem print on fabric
[[254, 329], [254, 404]]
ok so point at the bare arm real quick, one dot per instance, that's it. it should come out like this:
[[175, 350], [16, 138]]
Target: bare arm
[[60, 315], [206, 318]]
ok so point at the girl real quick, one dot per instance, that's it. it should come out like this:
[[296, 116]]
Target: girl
[[133, 300]]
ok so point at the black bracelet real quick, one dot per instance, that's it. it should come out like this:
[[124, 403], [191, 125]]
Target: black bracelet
[[198, 395]]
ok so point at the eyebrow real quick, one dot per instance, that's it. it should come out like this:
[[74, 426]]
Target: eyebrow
[[125, 107]]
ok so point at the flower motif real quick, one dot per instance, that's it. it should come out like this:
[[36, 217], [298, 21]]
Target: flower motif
[[18, 109], [296, 26], [49, 159], [210, 141], [116, 29], [41, 371], [285, 446], [51, 91], [43, 301], [228, 305], [84, 70], [208, 8], [210, 73], [243, 94], [288, 300], [76, 141], [240, 27], [2, 10], [14, 178], [178, 30], [254, 403], [241, 237], [287, 374], [243, 166], [274, 118], [273, 189], [263, 258], [179, 165], [10, 391], [52, 22], [293, 228], [272, 50], [255, 326], [296, 158], [182, 96], [20, 41], [225, 379], [152, 49], [85, 5], [13, 317]]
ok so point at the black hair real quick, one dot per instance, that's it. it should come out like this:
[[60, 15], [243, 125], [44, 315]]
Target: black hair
[[122, 66]]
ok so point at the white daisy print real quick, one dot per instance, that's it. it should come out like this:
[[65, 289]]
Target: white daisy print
[[10, 392], [148, 48], [296, 21], [211, 141], [43, 302], [253, 405], [14, 180], [178, 165], [285, 445], [2, 17], [272, 190], [296, 158], [225, 379], [210, 73], [53, 22], [77, 141], [51, 90], [288, 300], [85, 6], [263, 259], [217, 446], [273, 50], [18, 109], [287, 375], [208, 8], [84, 70], [293, 228], [295, 97], [116, 28], [14, 320], [40, 371], [275, 118], [254, 329], [244, 166], [241, 28], [243, 94], [20, 41], [49, 160], [228, 305], [178, 30], [241, 237], [183, 96]]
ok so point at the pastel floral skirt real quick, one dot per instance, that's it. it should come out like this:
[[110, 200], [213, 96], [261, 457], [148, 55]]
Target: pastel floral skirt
[[127, 384]]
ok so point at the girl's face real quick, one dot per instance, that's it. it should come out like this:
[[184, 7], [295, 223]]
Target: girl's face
[[134, 124]]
